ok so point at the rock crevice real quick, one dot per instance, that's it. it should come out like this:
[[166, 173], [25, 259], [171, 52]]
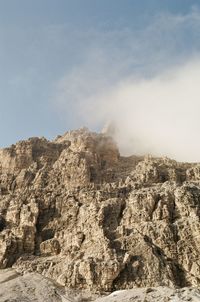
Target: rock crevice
[[78, 212]]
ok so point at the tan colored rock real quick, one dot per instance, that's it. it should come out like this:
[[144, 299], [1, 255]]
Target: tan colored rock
[[77, 212], [50, 247]]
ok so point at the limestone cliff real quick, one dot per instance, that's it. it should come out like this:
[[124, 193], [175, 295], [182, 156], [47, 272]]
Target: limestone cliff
[[76, 211]]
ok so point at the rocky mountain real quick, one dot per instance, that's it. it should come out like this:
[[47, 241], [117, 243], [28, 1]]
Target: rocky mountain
[[76, 211]]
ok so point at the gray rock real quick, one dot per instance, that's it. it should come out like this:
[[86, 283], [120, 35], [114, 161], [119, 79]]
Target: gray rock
[[75, 211]]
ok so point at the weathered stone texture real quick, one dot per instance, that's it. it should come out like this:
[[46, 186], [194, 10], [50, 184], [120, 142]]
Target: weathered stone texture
[[76, 211]]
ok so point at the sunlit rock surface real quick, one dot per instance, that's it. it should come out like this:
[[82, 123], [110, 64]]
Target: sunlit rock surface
[[75, 211]]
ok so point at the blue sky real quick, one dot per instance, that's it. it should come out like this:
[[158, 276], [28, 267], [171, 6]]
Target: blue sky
[[54, 55]]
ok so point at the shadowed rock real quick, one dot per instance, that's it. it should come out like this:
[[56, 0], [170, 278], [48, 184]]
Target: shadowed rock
[[76, 211]]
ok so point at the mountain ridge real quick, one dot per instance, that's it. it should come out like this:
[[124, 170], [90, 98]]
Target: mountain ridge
[[76, 211]]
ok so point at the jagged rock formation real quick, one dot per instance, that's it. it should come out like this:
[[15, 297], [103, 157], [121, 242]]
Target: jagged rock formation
[[76, 211]]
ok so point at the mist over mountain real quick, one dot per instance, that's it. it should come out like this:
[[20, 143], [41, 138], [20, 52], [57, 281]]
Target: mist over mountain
[[109, 212], [157, 116]]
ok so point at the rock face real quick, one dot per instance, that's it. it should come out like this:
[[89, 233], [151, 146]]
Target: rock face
[[76, 211]]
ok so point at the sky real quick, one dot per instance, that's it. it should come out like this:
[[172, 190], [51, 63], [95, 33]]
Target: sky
[[71, 63]]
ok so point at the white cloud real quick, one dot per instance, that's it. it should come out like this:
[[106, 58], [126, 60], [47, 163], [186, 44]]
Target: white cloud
[[146, 82], [158, 116]]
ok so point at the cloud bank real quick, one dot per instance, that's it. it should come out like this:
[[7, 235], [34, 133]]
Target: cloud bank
[[159, 116], [146, 83]]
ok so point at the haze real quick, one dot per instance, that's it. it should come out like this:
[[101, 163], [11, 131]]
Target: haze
[[158, 116], [68, 64]]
